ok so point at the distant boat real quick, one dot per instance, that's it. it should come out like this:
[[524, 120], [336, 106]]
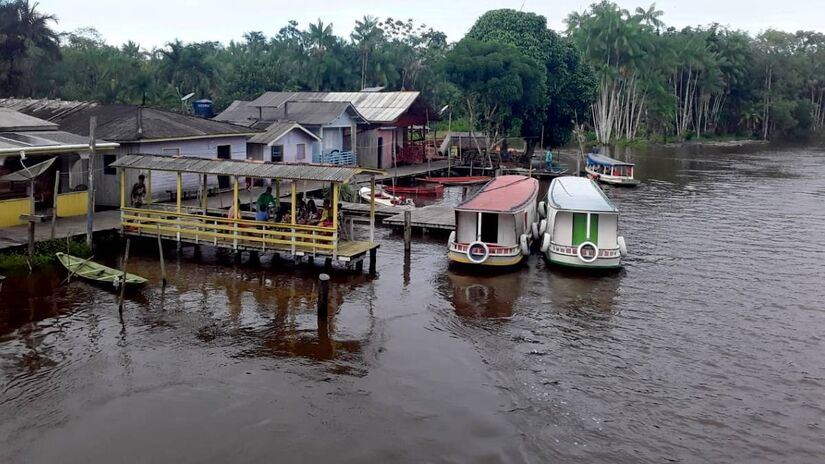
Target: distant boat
[[458, 180], [385, 199], [497, 225], [580, 226], [97, 272], [609, 170], [426, 189]]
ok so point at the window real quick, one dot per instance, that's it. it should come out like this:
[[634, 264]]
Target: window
[[277, 153], [302, 151], [170, 151], [107, 160]]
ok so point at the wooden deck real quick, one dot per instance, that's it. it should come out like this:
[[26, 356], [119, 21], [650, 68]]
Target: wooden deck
[[363, 209], [427, 217], [17, 236]]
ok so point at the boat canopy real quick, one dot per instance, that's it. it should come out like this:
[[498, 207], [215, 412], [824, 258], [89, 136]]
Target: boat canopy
[[578, 194], [503, 194], [593, 158]]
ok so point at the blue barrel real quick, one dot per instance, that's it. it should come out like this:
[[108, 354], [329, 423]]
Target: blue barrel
[[203, 108]]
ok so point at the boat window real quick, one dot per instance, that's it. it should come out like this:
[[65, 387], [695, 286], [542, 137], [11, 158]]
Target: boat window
[[489, 227]]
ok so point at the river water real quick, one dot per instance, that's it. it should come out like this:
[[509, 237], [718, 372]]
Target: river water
[[707, 347]]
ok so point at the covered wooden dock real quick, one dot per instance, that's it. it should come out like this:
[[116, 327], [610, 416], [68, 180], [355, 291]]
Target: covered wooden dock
[[234, 230]]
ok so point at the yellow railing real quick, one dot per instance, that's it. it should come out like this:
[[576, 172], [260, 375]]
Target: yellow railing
[[10, 211], [228, 231], [72, 204]]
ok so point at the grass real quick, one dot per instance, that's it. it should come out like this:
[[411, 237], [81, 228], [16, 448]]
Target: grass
[[44, 254]]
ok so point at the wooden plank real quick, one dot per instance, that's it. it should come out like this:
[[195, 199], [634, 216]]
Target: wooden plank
[[429, 217]]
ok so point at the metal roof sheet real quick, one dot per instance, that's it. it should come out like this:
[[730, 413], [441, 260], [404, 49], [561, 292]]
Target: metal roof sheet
[[256, 169], [578, 194], [503, 194], [606, 161], [48, 141], [375, 107], [11, 120]]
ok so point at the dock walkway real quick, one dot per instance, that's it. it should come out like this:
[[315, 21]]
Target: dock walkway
[[427, 217], [18, 236]]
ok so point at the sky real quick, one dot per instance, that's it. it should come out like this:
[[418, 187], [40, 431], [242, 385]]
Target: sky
[[152, 23]]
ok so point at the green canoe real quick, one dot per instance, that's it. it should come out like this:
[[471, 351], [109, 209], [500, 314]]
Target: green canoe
[[97, 272]]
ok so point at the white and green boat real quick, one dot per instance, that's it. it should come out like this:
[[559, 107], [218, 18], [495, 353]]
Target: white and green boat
[[581, 225], [97, 272]]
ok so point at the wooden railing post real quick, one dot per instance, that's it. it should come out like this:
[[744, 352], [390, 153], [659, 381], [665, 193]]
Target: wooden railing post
[[293, 212]]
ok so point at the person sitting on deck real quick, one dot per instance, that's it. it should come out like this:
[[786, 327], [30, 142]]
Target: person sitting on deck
[[139, 192], [265, 200], [548, 160], [312, 212], [326, 214]]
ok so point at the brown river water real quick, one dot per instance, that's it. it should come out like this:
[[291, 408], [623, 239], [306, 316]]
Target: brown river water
[[709, 346]]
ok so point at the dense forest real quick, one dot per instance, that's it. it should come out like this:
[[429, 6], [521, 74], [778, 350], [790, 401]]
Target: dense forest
[[624, 74]]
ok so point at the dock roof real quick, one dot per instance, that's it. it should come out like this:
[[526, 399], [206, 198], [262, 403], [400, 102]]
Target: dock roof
[[240, 168], [503, 194], [578, 194], [23, 133]]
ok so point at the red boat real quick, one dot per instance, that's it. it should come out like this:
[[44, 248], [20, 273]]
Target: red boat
[[430, 189], [457, 180]]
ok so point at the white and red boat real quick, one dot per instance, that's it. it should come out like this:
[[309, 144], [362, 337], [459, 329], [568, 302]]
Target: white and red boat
[[385, 199], [497, 225]]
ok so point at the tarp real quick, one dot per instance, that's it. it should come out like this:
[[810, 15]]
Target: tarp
[[605, 161]]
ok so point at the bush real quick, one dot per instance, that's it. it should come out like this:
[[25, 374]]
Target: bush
[[44, 254]]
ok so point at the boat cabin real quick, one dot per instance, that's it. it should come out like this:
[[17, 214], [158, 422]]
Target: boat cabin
[[582, 225], [609, 170], [493, 227]]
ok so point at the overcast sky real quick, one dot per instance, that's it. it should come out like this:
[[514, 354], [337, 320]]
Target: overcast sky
[[155, 22]]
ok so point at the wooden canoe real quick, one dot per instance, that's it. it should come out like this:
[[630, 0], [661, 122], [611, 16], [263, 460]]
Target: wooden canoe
[[458, 180], [96, 272], [431, 189]]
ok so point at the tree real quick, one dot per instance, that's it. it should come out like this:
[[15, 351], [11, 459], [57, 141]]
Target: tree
[[366, 37], [500, 86], [567, 80], [26, 41]]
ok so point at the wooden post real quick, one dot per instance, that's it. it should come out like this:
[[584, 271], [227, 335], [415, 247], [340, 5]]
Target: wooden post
[[293, 210], [335, 188], [373, 254], [372, 208], [121, 175], [31, 241], [236, 213], [54, 200], [205, 196], [148, 187], [407, 230], [323, 296], [90, 204], [123, 278], [162, 262], [179, 188]]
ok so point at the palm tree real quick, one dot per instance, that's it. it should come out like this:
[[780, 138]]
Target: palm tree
[[25, 34], [319, 37], [650, 17], [366, 36]]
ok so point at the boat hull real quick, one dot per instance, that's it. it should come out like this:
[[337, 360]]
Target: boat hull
[[95, 272], [574, 261], [465, 180], [613, 180], [423, 190], [492, 261]]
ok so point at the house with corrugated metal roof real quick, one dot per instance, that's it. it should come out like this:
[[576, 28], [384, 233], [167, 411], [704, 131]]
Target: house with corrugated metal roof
[[143, 130], [32, 149], [393, 128]]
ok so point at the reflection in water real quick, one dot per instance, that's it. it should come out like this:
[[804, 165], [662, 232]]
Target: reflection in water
[[484, 295], [571, 290]]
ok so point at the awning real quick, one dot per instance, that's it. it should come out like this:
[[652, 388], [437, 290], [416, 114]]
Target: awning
[[240, 168]]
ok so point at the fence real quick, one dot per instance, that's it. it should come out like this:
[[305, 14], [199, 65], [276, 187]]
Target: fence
[[339, 158], [10, 211]]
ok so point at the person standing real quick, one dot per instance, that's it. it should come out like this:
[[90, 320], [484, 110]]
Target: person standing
[[138, 196], [265, 200]]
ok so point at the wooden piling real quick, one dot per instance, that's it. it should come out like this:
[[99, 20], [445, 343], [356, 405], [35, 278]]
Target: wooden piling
[[31, 242], [162, 262], [407, 230], [373, 254], [54, 200], [323, 296], [123, 278]]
